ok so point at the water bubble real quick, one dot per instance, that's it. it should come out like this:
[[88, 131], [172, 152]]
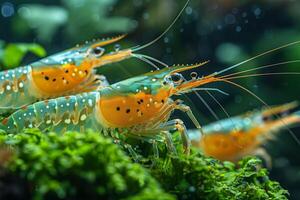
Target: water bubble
[[166, 40], [7, 9], [238, 29], [230, 19], [194, 75], [117, 47], [257, 12], [188, 10]]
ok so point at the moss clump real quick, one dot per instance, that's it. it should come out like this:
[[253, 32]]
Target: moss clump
[[74, 166], [88, 166], [191, 177]]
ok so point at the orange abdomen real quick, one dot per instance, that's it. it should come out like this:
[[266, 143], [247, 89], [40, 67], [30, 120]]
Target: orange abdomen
[[131, 110], [54, 81], [230, 146]]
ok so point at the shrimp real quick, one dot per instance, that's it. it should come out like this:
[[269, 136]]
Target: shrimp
[[233, 138], [137, 107], [67, 72]]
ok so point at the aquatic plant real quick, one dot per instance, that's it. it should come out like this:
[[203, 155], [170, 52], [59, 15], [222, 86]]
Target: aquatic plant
[[76, 165], [12, 54]]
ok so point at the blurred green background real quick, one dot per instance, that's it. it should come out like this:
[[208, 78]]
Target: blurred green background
[[223, 31]]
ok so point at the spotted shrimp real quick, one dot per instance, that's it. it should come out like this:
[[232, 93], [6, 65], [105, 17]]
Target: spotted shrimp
[[136, 107], [233, 138], [68, 72]]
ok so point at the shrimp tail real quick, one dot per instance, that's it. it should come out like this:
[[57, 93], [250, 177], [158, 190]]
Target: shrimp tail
[[284, 118]]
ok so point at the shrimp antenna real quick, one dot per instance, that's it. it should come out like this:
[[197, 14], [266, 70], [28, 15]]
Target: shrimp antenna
[[254, 57], [162, 34]]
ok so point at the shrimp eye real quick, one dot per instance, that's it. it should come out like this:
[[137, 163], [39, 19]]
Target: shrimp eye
[[177, 78], [98, 51]]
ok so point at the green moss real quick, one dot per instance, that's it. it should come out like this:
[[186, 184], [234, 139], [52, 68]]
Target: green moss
[[190, 177], [77, 166]]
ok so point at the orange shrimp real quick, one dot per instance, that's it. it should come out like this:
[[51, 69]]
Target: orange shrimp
[[233, 138]]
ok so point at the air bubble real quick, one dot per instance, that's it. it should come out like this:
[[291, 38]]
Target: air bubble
[[117, 47], [194, 75]]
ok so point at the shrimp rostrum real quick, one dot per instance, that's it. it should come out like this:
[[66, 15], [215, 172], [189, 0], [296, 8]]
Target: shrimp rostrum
[[68, 72], [139, 107]]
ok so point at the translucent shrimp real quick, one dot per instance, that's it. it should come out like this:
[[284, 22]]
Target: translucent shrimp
[[236, 137], [67, 72], [138, 107]]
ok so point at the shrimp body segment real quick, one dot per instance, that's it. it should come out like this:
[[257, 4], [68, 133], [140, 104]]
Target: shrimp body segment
[[236, 137], [67, 72], [138, 107]]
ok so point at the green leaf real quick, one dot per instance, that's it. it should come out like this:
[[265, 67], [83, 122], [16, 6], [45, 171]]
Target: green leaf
[[14, 53]]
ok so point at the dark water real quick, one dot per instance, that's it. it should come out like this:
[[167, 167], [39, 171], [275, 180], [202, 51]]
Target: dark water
[[224, 32]]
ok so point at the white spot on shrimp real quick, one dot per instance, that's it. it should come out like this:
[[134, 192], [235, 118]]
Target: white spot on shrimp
[[30, 126], [145, 88], [83, 117], [90, 102], [8, 87], [62, 105], [73, 74], [48, 121], [21, 85], [83, 100], [25, 71], [6, 75], [25, 114], [2, 77], [217, 127], [67, 121], [47, 107], [154, 79], [20, 118], [67, 104]]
